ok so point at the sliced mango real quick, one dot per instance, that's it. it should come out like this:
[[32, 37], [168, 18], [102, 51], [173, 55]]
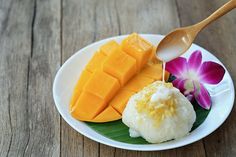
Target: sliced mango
[[120, 100], [138, 82], [109, 47], [113, 75], [85, 75], [153, 71], [153, 57], [109, 114], [167, 75], [102, 85], [137, 47], [96, 62], [87, 106], [120, 65]]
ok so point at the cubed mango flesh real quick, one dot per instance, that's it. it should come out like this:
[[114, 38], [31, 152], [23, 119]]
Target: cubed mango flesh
[[109, 47], [109, 114], [138, 82], [102, 85], [137, 47], [112, 76], [153, 58], [87, 106], [167, 75], [85, 75], [96, 62], [153, 71], [120, 65], [120, 100]]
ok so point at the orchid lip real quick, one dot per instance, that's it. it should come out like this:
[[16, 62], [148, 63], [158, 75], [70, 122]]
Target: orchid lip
[[192, 75]]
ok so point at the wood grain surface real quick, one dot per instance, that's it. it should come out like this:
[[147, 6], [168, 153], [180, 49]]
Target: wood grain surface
[[38, 36]]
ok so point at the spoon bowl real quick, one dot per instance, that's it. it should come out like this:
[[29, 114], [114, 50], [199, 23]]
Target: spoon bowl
[[174, 44]]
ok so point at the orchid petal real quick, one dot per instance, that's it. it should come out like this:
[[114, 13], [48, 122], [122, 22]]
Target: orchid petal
[[195, 60], [177, 67], [211, 72], [179, 83], [203, 98]]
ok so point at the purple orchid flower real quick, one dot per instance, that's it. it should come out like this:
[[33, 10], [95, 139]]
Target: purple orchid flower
[[191, 74]]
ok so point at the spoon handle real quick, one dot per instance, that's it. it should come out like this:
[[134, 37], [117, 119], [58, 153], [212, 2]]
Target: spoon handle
[[217, 14]]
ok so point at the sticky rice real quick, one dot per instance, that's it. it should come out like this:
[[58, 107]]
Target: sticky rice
[[158, 113]]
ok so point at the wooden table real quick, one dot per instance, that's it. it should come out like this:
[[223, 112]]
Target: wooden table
[[36, 38]]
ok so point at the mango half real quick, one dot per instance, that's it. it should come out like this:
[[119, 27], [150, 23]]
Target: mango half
[[113, 74]]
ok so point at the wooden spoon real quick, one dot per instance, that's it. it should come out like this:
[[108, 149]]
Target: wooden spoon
[[178, 41]]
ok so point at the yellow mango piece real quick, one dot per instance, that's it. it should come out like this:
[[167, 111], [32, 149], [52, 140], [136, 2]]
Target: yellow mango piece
[[153, 57], [153, 71], [138, 82], [167, 75], [120, 100], [120, 65], [102, 85], [109, 114], [85, 75], [87, 106], [137, 47], [109, 47], [95, 62]]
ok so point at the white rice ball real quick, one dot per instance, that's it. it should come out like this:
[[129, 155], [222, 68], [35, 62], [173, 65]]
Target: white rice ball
[[159, 128]]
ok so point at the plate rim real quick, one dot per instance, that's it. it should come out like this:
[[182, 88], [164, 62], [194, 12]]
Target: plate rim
[[123, 145]]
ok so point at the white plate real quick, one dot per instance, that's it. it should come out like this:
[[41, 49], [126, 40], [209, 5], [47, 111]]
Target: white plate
[[70, 71]]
